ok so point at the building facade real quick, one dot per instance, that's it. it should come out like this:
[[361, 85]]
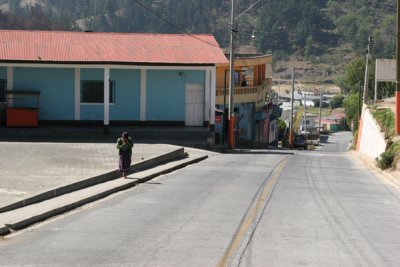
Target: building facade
[[112, 77], [253, 120]]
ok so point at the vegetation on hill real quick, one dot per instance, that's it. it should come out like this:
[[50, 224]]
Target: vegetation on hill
[[326, 33], [311, 26]]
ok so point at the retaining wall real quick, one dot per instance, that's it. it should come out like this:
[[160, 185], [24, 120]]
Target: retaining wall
[[371, 141]]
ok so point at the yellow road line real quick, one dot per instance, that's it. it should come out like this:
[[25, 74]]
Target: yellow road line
[[250, 217]]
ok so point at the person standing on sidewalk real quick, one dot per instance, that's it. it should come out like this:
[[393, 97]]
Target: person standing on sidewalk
[[125, 145]]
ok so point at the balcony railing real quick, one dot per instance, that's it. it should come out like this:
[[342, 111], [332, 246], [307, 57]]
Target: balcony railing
[[240, 90], [245, 94]]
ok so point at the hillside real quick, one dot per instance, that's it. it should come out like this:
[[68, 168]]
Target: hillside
[[325, 34]]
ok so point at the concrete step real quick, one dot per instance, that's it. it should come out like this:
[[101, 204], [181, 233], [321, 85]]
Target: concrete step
[[177, 154], [23, 217]]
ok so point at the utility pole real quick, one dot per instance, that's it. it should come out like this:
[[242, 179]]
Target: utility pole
[[320, 110], [397, 117], [367, 71], [305, 113], [224, 114], [231, 142], [292, 112]]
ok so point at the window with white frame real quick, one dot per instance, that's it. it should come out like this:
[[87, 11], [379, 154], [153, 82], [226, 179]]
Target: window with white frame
[[92, 92], [3, 88]]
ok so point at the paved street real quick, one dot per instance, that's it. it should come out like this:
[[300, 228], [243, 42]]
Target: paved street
[[328, 210], [322, 209]]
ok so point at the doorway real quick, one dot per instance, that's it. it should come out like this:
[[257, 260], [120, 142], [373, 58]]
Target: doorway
[[194, 105]]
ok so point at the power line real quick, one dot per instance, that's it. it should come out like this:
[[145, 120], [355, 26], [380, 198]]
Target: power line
[[180, 29], [269, 32], [250, 7]]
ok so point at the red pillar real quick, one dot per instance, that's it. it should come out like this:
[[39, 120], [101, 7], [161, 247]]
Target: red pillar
[[231, 139], [397, 118]]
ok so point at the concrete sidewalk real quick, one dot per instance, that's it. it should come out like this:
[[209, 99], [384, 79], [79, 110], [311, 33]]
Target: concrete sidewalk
[[29, 168]]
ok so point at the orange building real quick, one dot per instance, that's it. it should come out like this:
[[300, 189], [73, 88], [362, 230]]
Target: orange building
[[252, 87]]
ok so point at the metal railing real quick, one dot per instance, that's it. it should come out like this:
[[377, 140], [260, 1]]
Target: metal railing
[[240, 90]]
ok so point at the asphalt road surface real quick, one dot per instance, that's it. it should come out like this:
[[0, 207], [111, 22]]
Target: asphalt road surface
[[316, 208]]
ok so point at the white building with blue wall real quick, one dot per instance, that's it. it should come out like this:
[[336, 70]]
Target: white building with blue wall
[[112, 78]]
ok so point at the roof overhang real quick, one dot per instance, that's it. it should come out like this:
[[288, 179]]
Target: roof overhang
[[14, 62]]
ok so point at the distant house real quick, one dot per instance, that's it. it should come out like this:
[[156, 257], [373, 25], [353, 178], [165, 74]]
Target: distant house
[[330, 125], [133, 78], [308, 124]]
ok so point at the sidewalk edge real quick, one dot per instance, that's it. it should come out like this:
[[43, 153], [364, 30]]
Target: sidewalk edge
[[64, 208], [139, 166]]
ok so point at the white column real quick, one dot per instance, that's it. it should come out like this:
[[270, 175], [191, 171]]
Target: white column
[[212, 96], [77, 94], [106, 100], [10, 84], [207, 92], [143, 87]]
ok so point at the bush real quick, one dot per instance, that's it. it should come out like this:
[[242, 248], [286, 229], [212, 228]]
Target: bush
[[389, 158], [385, 160], [386, 120]]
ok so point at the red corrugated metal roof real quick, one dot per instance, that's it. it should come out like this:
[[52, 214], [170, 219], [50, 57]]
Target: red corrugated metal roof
[[88, 47]]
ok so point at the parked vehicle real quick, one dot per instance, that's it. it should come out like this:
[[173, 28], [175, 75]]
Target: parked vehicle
[[300, 141]]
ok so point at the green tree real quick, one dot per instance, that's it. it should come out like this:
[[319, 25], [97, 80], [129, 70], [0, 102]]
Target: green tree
[[13, 5], [290, 27], [337, 101], [352, 109], [334, 9], [309, 51], [354, 75], [283, 132], [346, 25]]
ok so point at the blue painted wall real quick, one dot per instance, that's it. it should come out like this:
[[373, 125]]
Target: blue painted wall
[[166, 93], [56, 87], [193, 76], [3, 73], [127, 95]]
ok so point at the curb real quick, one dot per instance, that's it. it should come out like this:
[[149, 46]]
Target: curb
[[261, 151], [4, 231], [18, 225], [140, 166]]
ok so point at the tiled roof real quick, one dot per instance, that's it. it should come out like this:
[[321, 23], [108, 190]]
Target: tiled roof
[[124, 48]]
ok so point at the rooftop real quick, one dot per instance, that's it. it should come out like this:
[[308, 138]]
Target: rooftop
[[113, 48]]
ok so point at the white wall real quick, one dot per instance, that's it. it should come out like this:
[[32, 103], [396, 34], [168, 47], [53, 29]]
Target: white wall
[[372, 141]]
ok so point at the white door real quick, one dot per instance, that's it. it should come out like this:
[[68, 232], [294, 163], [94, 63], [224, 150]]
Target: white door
[[194, 105]]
